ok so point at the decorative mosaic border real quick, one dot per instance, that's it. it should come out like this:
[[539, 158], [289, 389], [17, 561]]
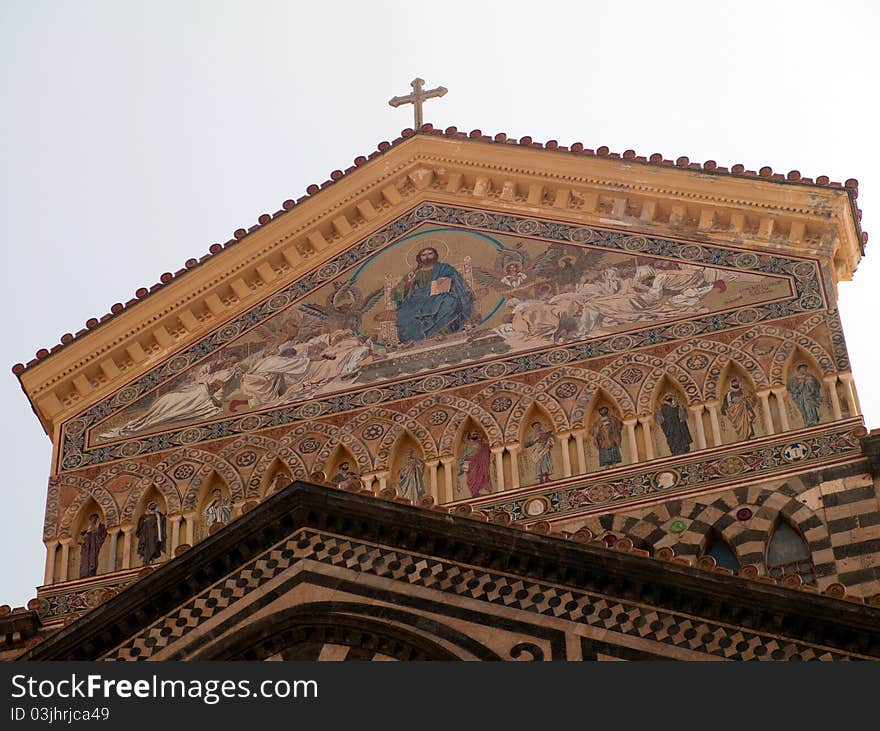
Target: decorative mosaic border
[[460, 580], [804, 274], [652, 480]]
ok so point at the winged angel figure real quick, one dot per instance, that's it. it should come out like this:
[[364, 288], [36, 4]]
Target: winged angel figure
[[344, 308], [514, 268]]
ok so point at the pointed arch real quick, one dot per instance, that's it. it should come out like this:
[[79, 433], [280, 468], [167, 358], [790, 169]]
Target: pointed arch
[[595, 380], [677, 376], [86, 490], [788, 553], [211, 463], [811, 351], [461, 409], [358, 450], [148, 476]]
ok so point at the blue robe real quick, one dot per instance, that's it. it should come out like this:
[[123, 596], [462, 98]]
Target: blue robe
[[420, 315]]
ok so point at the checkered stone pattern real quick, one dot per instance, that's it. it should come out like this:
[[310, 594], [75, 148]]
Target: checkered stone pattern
[[219, 597], [473, 583]]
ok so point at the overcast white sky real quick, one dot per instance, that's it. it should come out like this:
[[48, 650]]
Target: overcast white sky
[[134, 135]]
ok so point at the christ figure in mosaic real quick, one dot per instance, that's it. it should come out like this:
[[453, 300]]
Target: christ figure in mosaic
[[607, 429], [93, 538], [432, 300], [672, 418], [539, 449], [806, 392], [739, 407], [474, 465]]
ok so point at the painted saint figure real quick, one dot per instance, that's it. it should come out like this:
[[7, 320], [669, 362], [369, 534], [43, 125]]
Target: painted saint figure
[[219, 510], [151, 534], [607, 429], [474, 464], [346, 478], [432, 300], [739, 406], [672, 419], [539, 449], [411, 478], [806, 392], [92, 539]]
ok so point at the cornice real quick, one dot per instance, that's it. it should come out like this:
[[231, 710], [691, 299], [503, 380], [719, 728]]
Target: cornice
[[627, 193]]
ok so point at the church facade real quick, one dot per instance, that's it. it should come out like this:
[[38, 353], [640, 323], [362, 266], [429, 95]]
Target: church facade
[[473, 398]]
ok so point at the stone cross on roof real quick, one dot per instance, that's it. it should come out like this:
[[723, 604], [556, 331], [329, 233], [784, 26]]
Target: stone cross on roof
[[417, 98]]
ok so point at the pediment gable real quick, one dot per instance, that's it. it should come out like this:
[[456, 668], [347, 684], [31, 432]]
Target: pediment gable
[[291, 246]]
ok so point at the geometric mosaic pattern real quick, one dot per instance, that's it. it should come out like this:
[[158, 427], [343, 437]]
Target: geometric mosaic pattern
[[807, 296], [494, 589]]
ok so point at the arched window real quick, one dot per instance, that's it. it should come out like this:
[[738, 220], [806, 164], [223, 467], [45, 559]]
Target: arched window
[[788, 553], [717, 548]]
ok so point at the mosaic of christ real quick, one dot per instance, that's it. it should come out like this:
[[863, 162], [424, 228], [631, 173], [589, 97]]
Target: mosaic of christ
[[434, 299]]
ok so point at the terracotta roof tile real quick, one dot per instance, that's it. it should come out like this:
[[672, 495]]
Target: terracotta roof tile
[[576, 148]]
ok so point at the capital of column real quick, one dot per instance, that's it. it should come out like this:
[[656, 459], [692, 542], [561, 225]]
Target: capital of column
[[764, 393], [564, 435], [447, 460], [497, 449], [645, 420], [432, 463], [779, 391], [712, 404], [696, 409], [845, 376], [631, 422], [830, 379]]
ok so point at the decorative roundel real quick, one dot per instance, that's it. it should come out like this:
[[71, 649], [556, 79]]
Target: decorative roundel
[[609, 539], [743, 514], [795, 452], [631, 376], [75, 427], [476, 218], [249, 423], [600, 493], [684, 329], [622, 342], [183, 472], [190, 436], [747, 316], [677, 526], [697, 362], [635, 243], [536, 506], [526, 227], [495, 370], [731, 465], [245, 459], [581, 235], [762, 347], [227, 333], [308, 445], [811, 302], [746, 260], [426, 211], [664, 479], [373, 431], [433, 383], [377, 240], [558, 357], [178, 363], [328, 270], [438, 417], [691, 252], [373, 396], [278, 302], [802, 269], [310, 410], [501, 404], [127, 394], [566, 389], [72, 461]]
